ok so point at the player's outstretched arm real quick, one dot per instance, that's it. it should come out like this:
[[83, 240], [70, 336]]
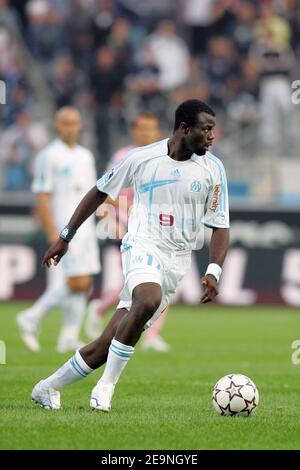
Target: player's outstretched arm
[[85, 208], [218, 248]]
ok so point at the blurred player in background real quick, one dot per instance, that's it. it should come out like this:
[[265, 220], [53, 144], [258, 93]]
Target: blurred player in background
[[64, 171], [145, 130]]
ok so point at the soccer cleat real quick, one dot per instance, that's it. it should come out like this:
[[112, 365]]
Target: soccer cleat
[[46, 396], [101, 396], [156, 344], [28, 329], [67, 345], [94, 324]]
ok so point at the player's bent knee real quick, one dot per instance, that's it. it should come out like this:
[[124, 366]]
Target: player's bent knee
[[145, 309], [146, 300]]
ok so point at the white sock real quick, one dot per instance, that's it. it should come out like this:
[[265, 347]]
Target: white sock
[[118, 356], [73, 313], [73, 370], [51, 298]]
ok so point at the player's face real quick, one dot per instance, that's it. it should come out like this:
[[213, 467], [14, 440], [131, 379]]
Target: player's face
[[200, 137], [145, 131], [68, 126]]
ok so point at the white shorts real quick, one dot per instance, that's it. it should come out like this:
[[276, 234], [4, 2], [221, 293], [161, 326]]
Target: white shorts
[[146, 263], [82, 257]]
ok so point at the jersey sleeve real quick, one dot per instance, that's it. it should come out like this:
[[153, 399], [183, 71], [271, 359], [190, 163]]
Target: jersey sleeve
[[43, 180], [216, 212], [118, 177]]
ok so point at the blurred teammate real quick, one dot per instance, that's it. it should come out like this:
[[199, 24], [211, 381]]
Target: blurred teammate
[[64, 171], [178, 186], [144, 130]]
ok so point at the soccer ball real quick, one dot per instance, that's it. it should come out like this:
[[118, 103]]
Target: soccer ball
[[235, 395]]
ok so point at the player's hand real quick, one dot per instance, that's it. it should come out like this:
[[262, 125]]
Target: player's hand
[[210, 285], [55, 253]]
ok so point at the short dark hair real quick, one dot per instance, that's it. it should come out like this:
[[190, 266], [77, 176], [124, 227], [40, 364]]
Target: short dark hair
[[188, 111]]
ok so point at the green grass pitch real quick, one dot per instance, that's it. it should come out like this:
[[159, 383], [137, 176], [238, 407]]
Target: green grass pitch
[[163, 401]]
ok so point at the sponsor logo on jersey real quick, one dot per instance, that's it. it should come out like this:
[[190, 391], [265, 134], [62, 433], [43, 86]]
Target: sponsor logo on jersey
[[109, 175], [196, 186], [215, 199], [176, 173]]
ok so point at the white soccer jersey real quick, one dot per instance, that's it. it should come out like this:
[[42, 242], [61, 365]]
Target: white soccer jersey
[[172, 199], [67, 174]]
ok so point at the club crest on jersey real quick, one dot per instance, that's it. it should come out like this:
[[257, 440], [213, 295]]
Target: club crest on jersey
[[215, 199], [196, 186]]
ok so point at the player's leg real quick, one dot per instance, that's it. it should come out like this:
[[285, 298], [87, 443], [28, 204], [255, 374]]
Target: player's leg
[[95, 353], [116, 346], [90, 357], [29, 320], [73, 306], [146, 299], [152, 339], [142, 295]]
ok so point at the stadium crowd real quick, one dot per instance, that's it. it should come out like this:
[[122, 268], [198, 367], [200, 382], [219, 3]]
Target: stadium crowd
[[113, 58]]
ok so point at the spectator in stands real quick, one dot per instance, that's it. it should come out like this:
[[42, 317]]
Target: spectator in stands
[[120, 42], [221, 69], [224, 17], [17, 96], [66, 82], [143, 83], [18, 145], [243, 107], [171, 56], [199, 18], [292, 14], [45, 32], [243, 27], [242, 59], [148, 13], [13, 74], [272, 24], [107, 82], [80, 37], [274, 57], [103, 20]]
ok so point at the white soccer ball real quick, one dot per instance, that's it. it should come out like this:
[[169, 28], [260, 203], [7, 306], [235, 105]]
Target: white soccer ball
[[235, 394]]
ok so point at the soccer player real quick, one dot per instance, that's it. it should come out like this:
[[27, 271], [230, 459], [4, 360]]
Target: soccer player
[[64, 172], [145, 130], [178, 186]]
